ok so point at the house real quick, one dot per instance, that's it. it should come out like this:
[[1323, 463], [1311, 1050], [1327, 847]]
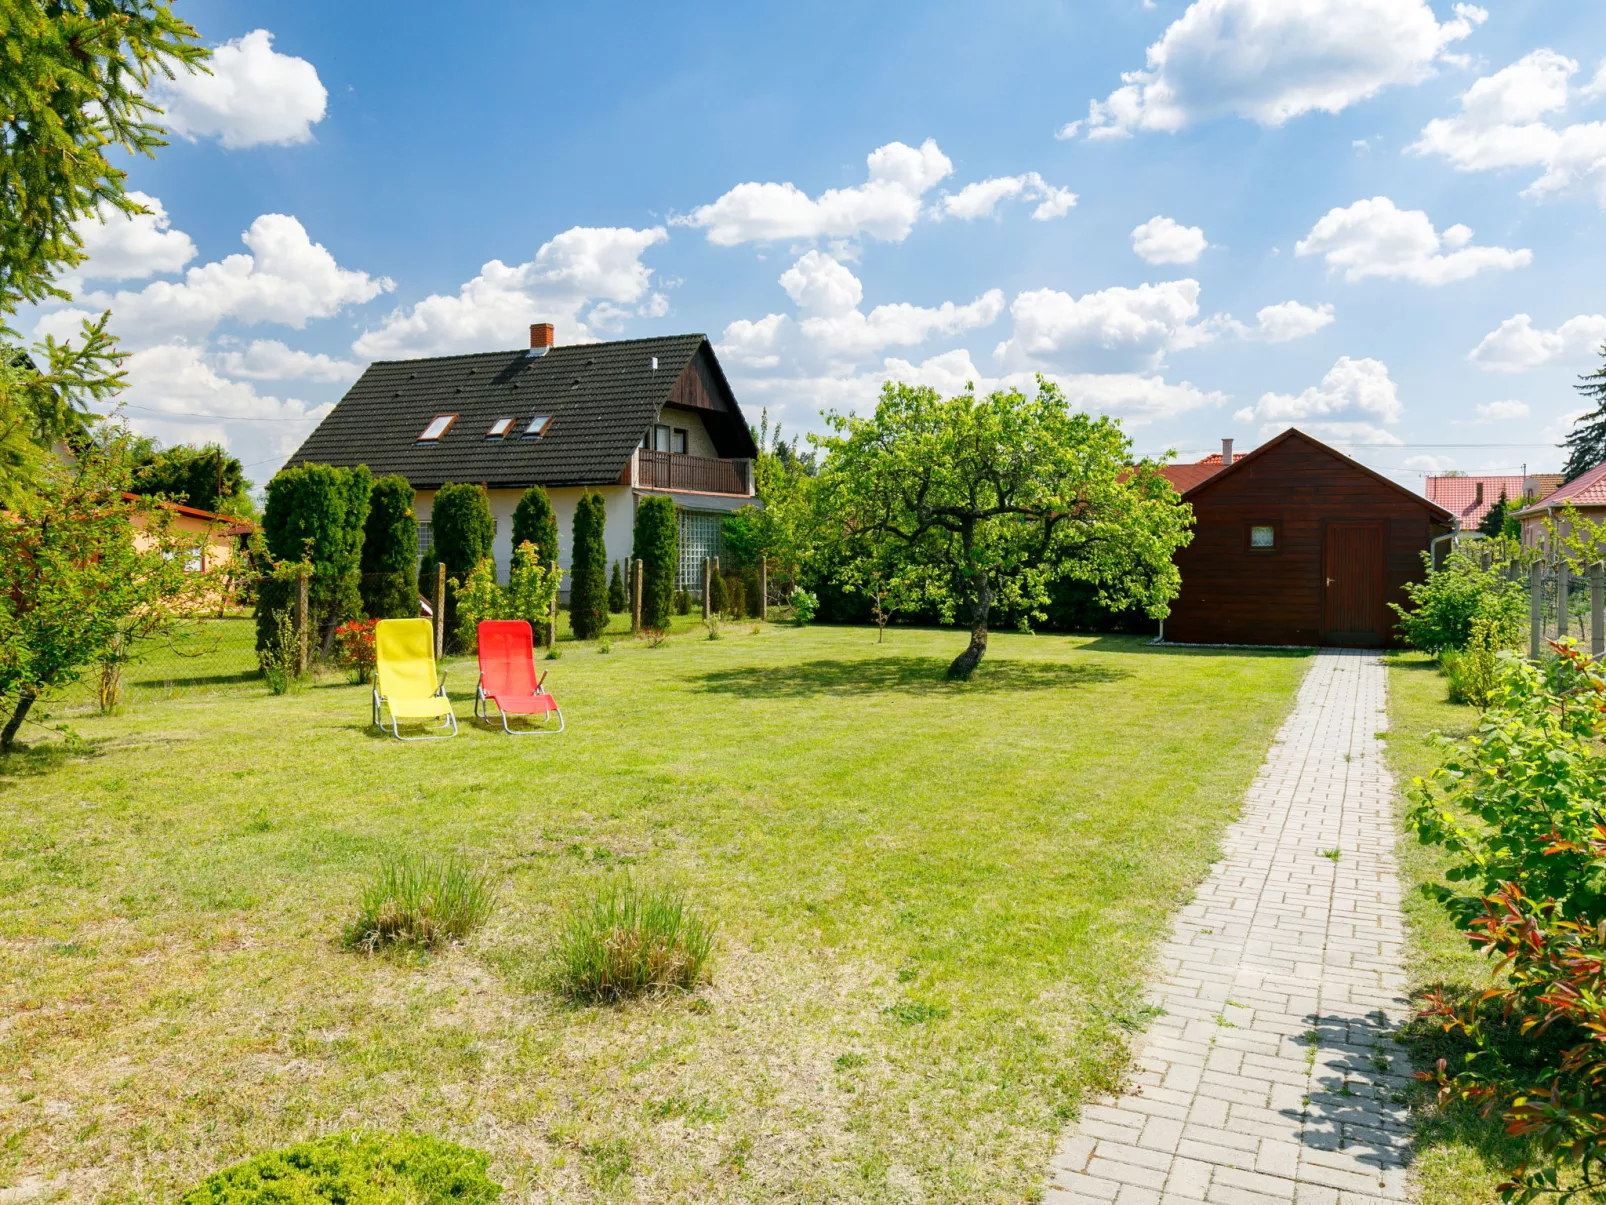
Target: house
[[628, 419], [1295, 543], [1586, 494], [218, 538], [1469, 499]]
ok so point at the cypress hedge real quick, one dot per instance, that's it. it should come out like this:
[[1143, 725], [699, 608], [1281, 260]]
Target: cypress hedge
[[390, 551], [588, 570], [657, 548], [320, 513], [535, 521], [617, 601], [462, 527]]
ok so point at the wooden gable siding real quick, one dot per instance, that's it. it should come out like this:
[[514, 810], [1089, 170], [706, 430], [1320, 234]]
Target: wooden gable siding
[[697, 388], [1234, 594]]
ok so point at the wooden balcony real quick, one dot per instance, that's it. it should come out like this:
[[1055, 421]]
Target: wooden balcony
[[693, 474]]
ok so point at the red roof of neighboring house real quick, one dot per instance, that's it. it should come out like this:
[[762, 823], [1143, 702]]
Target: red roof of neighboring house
[[1183, 477], [1588, 490], [236, 526], [1471, 498]]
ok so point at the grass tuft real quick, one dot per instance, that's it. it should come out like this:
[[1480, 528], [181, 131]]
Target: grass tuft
[[420, 902], [626, 941]]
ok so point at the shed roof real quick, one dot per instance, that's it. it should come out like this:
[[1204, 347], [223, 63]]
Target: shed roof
[[600, 397]]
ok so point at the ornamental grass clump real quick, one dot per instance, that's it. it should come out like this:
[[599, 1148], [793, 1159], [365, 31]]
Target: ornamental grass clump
[[422, 903], [626, 941]]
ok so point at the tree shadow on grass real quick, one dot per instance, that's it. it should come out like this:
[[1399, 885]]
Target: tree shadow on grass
[[1142, 645], [27, 761], [901, 675]]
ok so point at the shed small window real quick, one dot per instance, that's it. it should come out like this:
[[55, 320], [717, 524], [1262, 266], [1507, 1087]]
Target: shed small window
[[499, 428], [437, 427], [538, 426], [1262, 537]]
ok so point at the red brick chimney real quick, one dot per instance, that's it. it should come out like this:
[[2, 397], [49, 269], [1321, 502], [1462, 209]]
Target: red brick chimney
[[540, 335]]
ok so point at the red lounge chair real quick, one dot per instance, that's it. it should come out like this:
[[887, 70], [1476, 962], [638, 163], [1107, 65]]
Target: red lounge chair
[[507, 677]]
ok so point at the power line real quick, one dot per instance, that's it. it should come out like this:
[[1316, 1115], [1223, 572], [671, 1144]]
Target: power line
[[227, 418]]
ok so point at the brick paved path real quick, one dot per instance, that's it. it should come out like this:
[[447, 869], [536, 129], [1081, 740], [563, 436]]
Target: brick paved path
[[1270, 1077]]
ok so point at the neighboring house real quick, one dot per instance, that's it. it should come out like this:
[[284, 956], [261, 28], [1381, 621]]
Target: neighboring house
[[1586, 494], [1469, 499], [628, 419], [220, 538], [1295, 543]]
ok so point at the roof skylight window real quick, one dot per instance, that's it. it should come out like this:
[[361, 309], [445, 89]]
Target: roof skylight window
[[437, 427], [499, 428], [538, 426]]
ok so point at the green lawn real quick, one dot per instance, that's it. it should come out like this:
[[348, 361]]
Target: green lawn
[[1460, 1155], [937, 905]]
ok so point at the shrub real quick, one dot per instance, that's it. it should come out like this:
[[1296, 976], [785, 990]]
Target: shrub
[[682, 602], [735, 598], [478, 598], [279, 658], [617, 602], [535, 522], [1474, 670], [625, 941], [532, 584], [754, 596], [588, 584], [390, 551], [716, 593], [320, 514], [356, 1169], [656, 547], [1443, 606], [420, 902], [803, 604], [354, 648]]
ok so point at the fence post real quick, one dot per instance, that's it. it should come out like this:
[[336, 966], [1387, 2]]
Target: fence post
[[764, 588], [1597, 609], [1536, 590], [1564, 581], [635, 598], [301, 623], [552, 615], [440, 609], [708, 577]]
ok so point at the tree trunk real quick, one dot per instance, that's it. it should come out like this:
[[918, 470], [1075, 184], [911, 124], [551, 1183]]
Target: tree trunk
[[24, 702], [965, 664]]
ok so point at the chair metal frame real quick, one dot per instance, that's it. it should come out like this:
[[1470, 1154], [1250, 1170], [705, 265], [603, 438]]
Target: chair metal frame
[[482, 702], [395, 724]]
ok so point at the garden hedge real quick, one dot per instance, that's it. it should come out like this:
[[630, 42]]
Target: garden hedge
[[354, 1169]]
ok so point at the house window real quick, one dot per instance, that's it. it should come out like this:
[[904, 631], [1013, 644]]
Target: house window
[[426, 538], [677, 441], [1263, 537], [699, 538], [437, 427], [499, 428], [538, 426]]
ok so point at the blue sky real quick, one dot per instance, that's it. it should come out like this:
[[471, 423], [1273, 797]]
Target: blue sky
[[1380, 220]]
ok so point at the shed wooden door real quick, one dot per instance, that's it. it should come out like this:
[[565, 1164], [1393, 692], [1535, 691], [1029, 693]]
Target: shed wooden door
[[1352, 607]]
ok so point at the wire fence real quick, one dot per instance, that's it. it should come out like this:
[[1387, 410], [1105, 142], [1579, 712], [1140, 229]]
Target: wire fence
[[1565, 603]]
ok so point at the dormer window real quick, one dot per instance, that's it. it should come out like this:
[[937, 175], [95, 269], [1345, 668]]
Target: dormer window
[[499, 428], [538, 426], [437, 427]]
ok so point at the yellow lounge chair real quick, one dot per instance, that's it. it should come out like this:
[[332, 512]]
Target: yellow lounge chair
[[405, 680]]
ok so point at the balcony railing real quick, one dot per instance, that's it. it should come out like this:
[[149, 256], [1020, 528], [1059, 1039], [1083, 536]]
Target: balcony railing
[[693, 474]]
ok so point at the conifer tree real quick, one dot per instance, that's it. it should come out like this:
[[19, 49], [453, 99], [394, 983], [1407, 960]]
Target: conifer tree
[[535, 521], [390, 551], [462, 529], [656, 547], [1494, 520], [1587, 443], [588, 572], [617, 601]]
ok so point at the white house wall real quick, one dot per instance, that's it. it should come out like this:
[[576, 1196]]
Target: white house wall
[[618, 531]]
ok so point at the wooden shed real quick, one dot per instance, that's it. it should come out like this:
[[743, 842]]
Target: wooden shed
[[1295, 543]]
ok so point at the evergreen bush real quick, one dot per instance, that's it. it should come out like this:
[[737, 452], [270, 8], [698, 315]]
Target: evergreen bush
[[716, 593], [356, 1169], [320, 513], [390, 551], [753, 594], [657, 548], [463, 531], [682, 602], [617, 602], [588, 581], [735, 597], [535, 522]]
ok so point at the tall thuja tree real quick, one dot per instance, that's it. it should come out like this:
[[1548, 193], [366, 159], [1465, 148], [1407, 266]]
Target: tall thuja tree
[[318, 514], [535, 522], [588, 572], [1586, 446], [617, 599], [462, 529], [1494, 519], [657, 547], [981, 502], [73, 83], [390, 551]]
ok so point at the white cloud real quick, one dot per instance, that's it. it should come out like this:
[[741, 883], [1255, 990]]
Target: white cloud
[[1430, 464], [1516, 345], [1560, 427], [1352, 399], [819, 284], [1499, 411], [885, 207], [1506, 121], [1289, 320], [582, 267], [254, 95], [979, 200], [286, 279], [1162, 241], [754, 343], [1144, 322], [270, 360], [1376, 238], [1271, 60], [131, 247]]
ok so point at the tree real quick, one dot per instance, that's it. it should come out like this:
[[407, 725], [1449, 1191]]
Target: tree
[[988, 499], [657, 548], [390, 551], [462, 530], [617, 601], [319, 514], [535, 522], [1587, 443], [206, 478], [588, 569], [1493, 522]]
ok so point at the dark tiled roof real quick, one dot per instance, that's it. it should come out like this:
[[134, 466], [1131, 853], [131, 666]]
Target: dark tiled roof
[[601, 396]]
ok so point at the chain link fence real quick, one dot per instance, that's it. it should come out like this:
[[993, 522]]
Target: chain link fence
[[1565, 603]]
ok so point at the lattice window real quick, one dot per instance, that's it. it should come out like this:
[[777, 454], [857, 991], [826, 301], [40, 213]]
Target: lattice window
[[426, 538], [699, 538]]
